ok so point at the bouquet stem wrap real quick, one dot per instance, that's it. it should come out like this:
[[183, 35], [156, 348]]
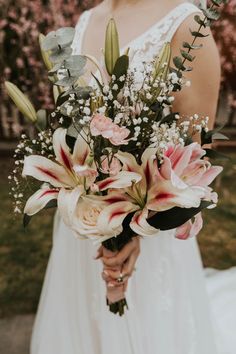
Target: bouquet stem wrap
[[116, 296]]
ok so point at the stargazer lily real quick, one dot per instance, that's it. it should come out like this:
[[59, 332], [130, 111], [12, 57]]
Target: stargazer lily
[[68, 178], [66, 173], [159, 189]]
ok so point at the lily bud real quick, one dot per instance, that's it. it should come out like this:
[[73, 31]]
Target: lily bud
[[45, 55], [112, 48], [21, 101], [162, 63]]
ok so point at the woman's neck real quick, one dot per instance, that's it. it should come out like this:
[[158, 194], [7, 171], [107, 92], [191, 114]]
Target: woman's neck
[[119, 4]]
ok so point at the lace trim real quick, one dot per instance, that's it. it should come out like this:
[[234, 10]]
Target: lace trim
[[152, 35]]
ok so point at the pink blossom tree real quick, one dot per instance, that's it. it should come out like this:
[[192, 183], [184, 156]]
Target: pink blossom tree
[[224, 32]]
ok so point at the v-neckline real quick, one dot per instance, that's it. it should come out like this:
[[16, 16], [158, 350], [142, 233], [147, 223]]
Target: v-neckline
[[137, 38]]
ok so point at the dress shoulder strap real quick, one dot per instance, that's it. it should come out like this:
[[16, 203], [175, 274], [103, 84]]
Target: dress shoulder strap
[[79, 31], [178, 16]]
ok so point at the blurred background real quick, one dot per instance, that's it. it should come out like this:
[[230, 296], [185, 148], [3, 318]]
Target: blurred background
[[24, 253]]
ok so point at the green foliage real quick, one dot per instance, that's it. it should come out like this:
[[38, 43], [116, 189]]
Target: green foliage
[[209, 15]]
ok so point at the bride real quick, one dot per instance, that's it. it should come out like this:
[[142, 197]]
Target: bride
[[168, 306]]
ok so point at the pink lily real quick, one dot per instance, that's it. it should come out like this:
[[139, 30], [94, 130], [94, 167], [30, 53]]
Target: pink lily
[[190, 229], [188, 165], [158, 190]]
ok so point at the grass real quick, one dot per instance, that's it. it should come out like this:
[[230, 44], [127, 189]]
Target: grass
[[24, 252]]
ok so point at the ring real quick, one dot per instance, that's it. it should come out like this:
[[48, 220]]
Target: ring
[[121, 278]]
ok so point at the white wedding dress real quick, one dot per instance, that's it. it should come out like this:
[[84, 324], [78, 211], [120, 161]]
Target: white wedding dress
[[168, 311]]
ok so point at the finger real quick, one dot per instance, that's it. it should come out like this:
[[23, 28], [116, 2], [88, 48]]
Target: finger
[[129, 266], [99, 253], [121, 256]]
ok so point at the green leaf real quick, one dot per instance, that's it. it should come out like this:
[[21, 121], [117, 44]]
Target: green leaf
[[219, 136], [178, 63], [55, 68], [175, 217], [120, 69], [199, 20], [67, 81], [75, 62], [216, 2], [121, 66], [26, 220], [213, 154], [62, 37], [211, 14], [58, 55], [198, 34], [169, 118], [65, 35], [206, 137], [187, 56], [192, 46], [51, 204]]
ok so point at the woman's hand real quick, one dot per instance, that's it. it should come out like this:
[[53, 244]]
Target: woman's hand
[[122, 263]]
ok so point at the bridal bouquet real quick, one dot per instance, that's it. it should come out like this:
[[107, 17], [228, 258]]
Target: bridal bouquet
[[113, 156]]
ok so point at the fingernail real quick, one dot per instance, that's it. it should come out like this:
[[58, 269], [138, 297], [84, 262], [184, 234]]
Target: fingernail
[[110, 285], [97, 256]]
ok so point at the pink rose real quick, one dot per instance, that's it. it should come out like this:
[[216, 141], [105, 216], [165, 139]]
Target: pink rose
[[119, 134], [113, 168], [101, 125]]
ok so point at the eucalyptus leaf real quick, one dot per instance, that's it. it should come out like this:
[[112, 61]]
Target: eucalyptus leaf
[[178, 63], [216, 2], [198, 34], [192, 46], [199, 20], [65, 35], [75, 62], [55, 68], [58, 55], [211, 14], [187, 56], [67, 81], [50, 41]]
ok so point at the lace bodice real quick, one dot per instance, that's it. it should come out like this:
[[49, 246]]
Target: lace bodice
[[146, 46]]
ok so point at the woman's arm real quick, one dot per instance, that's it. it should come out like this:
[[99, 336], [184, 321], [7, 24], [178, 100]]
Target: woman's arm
[[202, 96]]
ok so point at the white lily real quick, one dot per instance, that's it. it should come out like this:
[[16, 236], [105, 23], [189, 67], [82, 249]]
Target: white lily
[[63, 175]]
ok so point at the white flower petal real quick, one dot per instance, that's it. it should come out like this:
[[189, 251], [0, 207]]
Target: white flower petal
[[39, 200], [140, 225], [61, 149], [46, 170], [67, 203]]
